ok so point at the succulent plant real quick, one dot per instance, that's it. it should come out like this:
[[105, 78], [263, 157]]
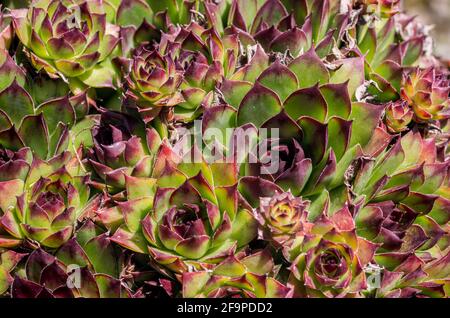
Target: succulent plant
[[192, 218], [204, 58], [6, 30], [178, 11], [126, 13], [408, 190], [409, 195], [330, 259], [8, 261], [222, 148], [427, 92], [407, 275], [398, 116], [293, 26], [389, 51], [15, 164], [320, 130], [87, 266], [122, 146], [71, 39], [382, 7], [36, 119], [153, 82], [45, 128], [283, 216], [237, 276], [10, 71], [183, 70], [45, 207]]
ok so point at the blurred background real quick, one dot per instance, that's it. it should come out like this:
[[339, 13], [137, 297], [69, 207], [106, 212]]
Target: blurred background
[[437, 13]]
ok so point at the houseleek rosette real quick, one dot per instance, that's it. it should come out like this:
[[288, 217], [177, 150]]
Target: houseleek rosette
[[406, 193], [70, 39], [44, 207], [329, 260], [427, 92], [190, 216], [287, 26], [153, 82], [398, 116], [237, 276], [30, 118], [283, 217], [87, 266], [402, 202], [122, 146], [318, 130], [205, 58]]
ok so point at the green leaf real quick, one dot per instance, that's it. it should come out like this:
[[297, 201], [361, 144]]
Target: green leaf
[[307, 102], [16, 103], [309, 69], [279, 79], [56, 111], [259, 105], [103, 75], [351, 70], [235, 91], [245, 228], [102, 256], [133, 13], [338, 99], [33, 132], [365, 119]]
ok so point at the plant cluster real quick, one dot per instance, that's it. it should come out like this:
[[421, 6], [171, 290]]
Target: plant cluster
[[319, 164]]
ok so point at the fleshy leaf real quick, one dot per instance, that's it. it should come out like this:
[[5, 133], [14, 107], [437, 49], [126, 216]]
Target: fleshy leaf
[[307, 102], [258, 106], [16, 103]]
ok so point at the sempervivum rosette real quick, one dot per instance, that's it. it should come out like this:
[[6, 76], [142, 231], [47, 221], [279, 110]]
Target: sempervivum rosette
[[329, 261], [8, 261], [405, 209], [238, 275], [45, 207], [388, 52], [205, 58], [406, 192], [193, 218], [44, 128], [35, 117], [69, 38], [398, 116], [222, 148], [406, 275], [427, 92], [153, 82], [75, 270], [283, 216], [304, 133], [289, 26], [122, 146]]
